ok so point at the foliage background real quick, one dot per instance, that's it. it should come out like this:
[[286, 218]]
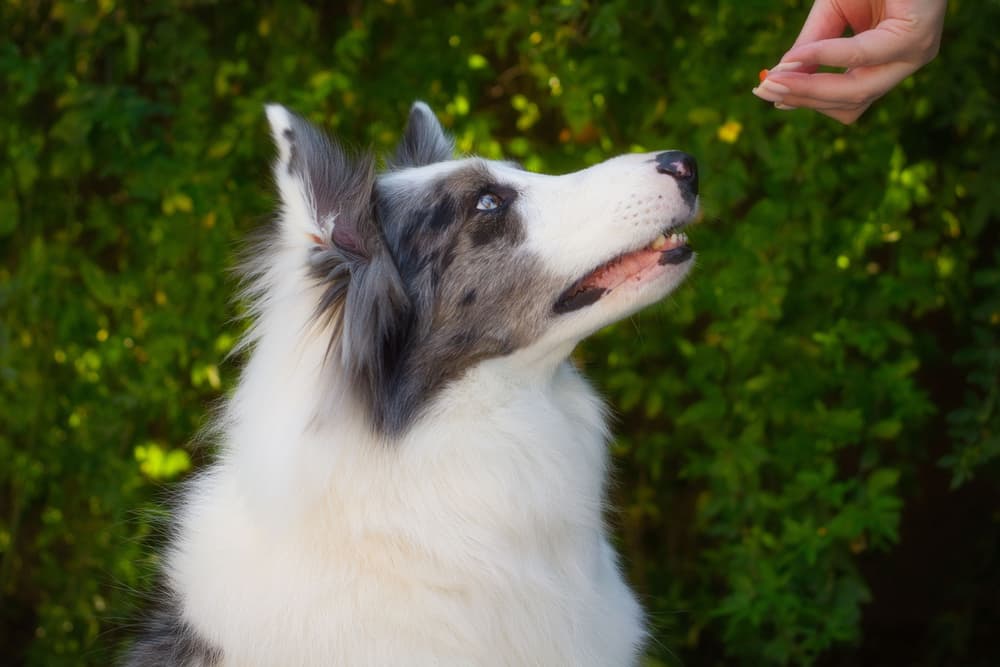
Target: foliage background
[[809, 428]]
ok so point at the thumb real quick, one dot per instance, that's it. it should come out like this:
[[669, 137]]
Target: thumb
[[823, 22]]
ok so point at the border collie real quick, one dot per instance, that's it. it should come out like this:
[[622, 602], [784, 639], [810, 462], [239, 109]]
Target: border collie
[[412, 472]]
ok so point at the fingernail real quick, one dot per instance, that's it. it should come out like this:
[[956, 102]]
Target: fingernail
[[766, 94], [784, 67], [783, 107], [775, 87]]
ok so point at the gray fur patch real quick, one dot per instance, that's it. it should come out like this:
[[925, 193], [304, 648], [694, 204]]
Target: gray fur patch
[[168, 641], [473, 289], [424, 141], [339, 188]]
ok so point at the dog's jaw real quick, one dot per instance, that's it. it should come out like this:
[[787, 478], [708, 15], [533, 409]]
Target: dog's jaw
[[632, 266]]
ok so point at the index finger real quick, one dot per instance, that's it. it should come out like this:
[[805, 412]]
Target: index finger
[[871, 47], [823, 22]]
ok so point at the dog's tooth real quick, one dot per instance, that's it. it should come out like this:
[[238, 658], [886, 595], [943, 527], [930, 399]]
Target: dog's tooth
[[659, 242]]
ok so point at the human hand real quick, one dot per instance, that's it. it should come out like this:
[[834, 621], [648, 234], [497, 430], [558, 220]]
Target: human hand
[[892, 40]]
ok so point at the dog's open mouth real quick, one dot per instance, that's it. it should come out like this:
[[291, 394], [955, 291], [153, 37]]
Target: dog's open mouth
[[669, 247]]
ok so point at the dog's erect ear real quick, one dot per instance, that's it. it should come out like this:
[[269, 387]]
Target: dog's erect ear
[[325, 196], [327, 204], [424, 141]]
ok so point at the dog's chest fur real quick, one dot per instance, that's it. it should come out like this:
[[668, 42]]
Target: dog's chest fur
[[459, 548]]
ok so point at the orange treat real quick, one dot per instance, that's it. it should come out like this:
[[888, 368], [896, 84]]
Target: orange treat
[[762, 75]]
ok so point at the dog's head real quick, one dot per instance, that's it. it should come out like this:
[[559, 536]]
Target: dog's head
[[437, 264]]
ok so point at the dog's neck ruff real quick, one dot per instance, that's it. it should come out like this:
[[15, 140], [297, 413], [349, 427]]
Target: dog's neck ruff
[[453, 541]]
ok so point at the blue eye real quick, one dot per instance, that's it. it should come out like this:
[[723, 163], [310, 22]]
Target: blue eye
[[488, 202]]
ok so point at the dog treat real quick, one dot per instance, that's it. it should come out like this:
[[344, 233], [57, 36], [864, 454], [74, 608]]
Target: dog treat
[[762, 75]]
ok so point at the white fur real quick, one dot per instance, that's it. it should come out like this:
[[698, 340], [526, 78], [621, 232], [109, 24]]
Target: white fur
[[478, 539]]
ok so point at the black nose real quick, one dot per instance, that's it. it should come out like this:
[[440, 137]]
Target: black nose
[[681, 166]]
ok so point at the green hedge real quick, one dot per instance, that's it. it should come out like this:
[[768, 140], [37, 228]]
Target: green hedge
[[833, 357]]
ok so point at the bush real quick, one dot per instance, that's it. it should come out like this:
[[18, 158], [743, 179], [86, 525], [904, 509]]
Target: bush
[[834, 359]]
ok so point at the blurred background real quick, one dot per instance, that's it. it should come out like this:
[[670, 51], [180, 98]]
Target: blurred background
[[808, 430]]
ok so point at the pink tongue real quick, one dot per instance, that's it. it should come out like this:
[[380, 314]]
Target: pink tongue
[[615, 273]]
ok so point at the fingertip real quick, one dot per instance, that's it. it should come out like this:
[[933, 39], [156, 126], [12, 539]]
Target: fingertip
[[803, 55], [767, 94], [785, 65]]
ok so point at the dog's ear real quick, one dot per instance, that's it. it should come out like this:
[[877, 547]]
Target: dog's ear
[[424, 140], [325, 195], [327, 203]]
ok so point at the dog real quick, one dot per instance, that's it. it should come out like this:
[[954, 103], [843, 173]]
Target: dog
[[411, 470]]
